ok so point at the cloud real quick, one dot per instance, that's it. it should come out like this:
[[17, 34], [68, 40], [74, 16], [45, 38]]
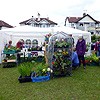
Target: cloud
[[15, 11]]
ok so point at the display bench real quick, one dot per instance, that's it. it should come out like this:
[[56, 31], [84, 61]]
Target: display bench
[[29, 55], [36, 53], [9, 59]]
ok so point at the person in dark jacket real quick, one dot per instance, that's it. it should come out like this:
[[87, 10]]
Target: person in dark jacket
[[97, 47], [81, 49]]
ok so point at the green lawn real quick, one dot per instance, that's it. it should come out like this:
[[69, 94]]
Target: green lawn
[[83, 85]]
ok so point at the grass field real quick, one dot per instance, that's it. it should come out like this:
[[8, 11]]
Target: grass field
[[82, 85]]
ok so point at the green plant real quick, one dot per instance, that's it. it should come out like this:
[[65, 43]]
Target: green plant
[[88, 45], [41, 69], [25, 68], [61, 43], [94, 38], [11, 48], [92, 57]]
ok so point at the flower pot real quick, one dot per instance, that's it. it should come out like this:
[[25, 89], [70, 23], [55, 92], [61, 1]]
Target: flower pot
[[40, 78], [87, 61], [25, 79], [8, 64]]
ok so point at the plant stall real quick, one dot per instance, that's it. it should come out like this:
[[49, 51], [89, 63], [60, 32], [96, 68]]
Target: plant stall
[[60, 54], [9, 57], [92, 60], [41, 72], [34, 72]]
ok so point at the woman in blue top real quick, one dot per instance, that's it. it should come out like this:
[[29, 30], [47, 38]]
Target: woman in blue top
[[75, 60]]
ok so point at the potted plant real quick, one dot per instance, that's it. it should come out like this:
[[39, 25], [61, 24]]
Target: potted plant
[[60, 44], [61, 63], [92, 60], [41, 73], [25, 71]]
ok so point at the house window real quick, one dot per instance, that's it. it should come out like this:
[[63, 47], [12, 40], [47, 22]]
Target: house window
[[92, 24], [72, 25], [48, 25], [81, 24], [35, 43], [92, 32], [43, 25]]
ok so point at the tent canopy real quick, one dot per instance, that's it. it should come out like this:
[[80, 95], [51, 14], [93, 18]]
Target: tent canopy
[[29, 29], [29, 32], [32, 32]]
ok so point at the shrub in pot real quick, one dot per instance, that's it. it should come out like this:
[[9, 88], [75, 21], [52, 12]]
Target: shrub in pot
[[25, 71], [41, 73]]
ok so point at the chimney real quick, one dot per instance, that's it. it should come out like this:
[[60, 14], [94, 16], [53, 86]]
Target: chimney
[[47, 17], [38, 17], [32, 20], [84, 14]]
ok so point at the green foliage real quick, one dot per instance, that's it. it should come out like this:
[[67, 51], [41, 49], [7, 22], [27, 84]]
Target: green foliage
[[25, 68], [62, 57], [12, 57], [92, 57], [11, 49], [88, 45], [61, 44], [40, 69], [94, 38]]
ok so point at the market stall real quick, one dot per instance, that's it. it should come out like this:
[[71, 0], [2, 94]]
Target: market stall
[[36, 35]]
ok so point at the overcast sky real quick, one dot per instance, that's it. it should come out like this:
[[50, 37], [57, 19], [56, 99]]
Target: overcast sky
[[15, 11]]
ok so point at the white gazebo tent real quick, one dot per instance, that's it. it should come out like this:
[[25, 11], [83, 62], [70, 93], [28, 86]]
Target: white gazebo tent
[[29, 32], [74, 32]]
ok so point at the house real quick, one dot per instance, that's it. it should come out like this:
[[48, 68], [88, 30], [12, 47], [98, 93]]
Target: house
[[39, 22], [85, 23], [4, 25]]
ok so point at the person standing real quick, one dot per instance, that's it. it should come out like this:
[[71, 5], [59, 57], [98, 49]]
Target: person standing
[[97, 48], [8, 45], [19, 44], [81, 49]]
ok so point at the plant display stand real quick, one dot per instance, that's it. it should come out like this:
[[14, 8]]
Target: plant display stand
[[9, 58], [60, 54]]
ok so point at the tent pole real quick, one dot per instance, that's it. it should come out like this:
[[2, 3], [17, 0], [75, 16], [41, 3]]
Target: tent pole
[[45, 54]]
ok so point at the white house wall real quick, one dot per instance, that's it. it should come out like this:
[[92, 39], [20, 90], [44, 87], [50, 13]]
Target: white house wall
[[86, 19]]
